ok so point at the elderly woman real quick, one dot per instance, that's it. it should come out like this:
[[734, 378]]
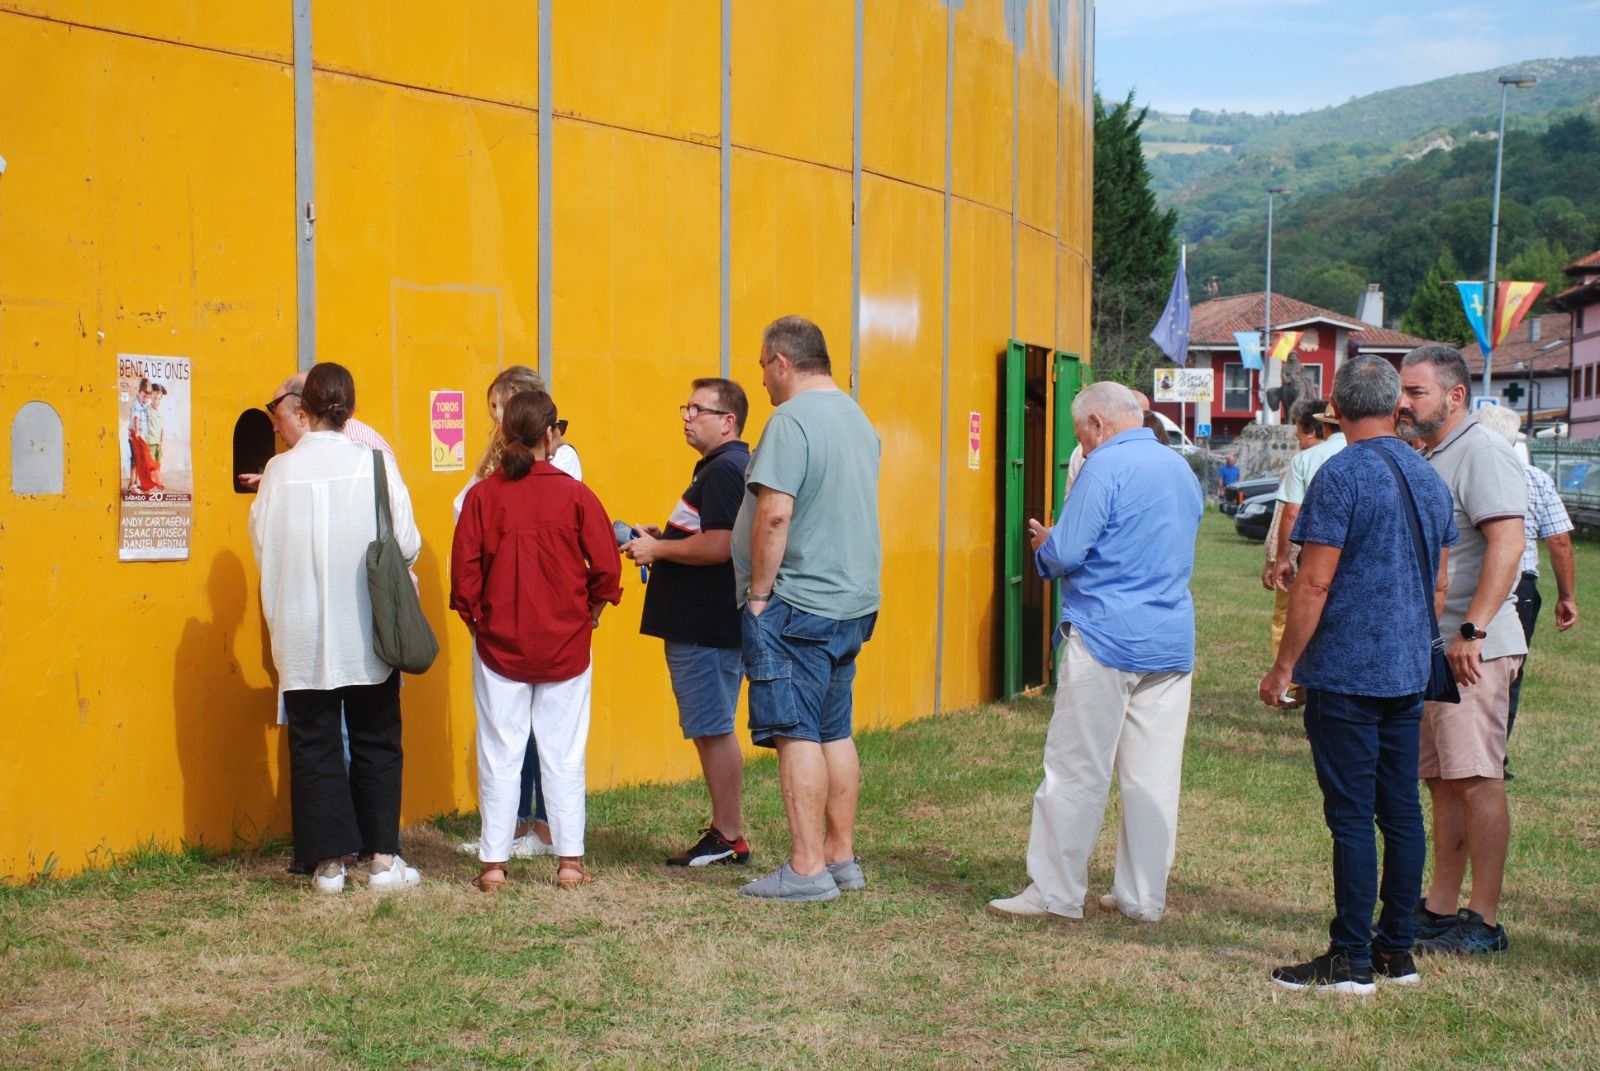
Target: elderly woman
[[533, 564], [313, 517]]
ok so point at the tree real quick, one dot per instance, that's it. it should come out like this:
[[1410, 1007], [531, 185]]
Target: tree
[[1541, 262], [1337, 286], [1435, 312], [1135, 251]]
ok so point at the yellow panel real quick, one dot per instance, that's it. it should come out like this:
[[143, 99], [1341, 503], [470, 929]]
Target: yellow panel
[[1036, 287], [1072, 305], [980, 166], [794, 79], [483, 48], [134, 223], [642, 64], [903, 102], [902, 328], [980, 323], [251, 27], [427, 246], [635, 319], [1037, 129]]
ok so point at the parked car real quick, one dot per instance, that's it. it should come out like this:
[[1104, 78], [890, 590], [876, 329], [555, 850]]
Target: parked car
[[1234, 495], [1255, 516]]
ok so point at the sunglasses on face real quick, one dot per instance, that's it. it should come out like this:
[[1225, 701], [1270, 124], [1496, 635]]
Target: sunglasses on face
[[561, 427], [272, 406]]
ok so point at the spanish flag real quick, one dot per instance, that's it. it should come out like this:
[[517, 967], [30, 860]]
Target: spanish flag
[[1511, 305], [1285, 345]]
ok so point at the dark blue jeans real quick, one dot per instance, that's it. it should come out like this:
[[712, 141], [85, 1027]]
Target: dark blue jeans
[[530, 804], [1365, 750]]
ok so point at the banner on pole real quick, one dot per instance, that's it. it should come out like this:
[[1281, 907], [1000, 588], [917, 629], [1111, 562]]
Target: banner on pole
[[1183, 385]]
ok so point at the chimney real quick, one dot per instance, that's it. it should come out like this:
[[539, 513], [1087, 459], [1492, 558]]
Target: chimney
[[1369, 309], [1534, 324]]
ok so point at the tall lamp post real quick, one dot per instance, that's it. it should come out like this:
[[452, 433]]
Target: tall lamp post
[[1268, 415], [1521, 81]]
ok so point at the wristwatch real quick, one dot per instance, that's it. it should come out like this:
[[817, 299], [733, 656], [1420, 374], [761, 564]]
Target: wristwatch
[[1469, 631]]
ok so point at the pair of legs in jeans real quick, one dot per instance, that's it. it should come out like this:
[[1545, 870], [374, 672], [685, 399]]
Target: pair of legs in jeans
[[1365, 751]]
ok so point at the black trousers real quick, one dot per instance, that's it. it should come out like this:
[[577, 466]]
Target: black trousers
[[1528, 603], [336, 813]]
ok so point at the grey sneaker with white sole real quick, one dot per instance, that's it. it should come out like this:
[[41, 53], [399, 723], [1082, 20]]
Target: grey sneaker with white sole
[[784, 884]]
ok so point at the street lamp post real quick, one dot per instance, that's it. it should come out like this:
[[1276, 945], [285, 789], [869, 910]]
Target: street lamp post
[[1268, 414], [1521, 81]]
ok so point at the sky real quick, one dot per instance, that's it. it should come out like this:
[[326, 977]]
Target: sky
[[1297, 55]]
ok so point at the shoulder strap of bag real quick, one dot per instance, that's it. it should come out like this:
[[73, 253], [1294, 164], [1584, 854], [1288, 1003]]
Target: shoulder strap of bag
[[380, 491], [1418, 546]]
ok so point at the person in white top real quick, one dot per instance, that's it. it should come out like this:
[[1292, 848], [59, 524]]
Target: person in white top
[[532, 835], [310, 525]]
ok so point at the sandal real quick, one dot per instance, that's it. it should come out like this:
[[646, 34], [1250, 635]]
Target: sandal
[[570, 874], [491, 878]]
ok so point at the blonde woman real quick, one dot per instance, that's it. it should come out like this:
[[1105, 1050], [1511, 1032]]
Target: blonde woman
[[532, 835]]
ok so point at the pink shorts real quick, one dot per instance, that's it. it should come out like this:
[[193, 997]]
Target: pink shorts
[[1468, 739]]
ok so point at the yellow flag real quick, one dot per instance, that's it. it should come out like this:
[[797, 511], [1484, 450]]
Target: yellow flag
[[1511, 305], [1286, 343]]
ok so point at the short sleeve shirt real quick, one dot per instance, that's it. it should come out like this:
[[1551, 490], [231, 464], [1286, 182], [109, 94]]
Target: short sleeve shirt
[[1374, 638], [820, 448], [695, 603], [1304, 465], [1485, 480], [1547, 515]]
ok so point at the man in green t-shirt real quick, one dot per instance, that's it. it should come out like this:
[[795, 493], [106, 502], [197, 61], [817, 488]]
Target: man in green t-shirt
[[806, 561]]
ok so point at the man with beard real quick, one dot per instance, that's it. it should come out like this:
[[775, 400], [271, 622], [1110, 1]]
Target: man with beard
[[1463, 746]]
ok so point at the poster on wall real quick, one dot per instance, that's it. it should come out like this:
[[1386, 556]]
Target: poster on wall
[[156, 482], [447, 430], [1183, 385], [974, 439]]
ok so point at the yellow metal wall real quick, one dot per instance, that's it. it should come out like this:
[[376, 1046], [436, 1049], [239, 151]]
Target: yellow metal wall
[[149, 207]]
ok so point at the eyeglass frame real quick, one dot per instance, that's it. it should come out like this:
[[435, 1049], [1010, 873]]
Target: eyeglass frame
[[272, 406], [683, 411]]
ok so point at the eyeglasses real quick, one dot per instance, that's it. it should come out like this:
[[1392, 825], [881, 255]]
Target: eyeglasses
[[272, 406], [561, 427], [691, 411]]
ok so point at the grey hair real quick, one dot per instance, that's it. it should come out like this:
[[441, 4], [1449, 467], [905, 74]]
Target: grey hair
[[1368, 386], [1447, 362], [1500, 418], [1110, 401], [799, 341]]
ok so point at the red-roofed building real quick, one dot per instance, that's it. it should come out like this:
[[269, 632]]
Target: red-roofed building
[[1529, 373], [1329, 339], [1581, 302]]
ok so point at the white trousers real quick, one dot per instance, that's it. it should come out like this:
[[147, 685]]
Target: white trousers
[[1108, 719], [508, 711]]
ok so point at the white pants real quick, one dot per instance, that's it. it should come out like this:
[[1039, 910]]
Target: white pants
[[1109, 718], [558, 715]]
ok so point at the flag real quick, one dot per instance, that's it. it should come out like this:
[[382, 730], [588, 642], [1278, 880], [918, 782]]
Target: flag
[[1511, 305], [1287, 341], [1477, 314], [1249, 348], [1171, 334]]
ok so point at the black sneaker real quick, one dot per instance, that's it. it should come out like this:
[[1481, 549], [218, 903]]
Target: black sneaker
[[1428, 925], [1328, 973], [1396, 967], [713, 847], [1470, 936]]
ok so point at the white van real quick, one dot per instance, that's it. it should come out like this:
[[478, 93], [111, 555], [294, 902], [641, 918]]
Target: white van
[[1175, 436]]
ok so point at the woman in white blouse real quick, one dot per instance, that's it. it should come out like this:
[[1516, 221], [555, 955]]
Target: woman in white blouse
[[311, 522]]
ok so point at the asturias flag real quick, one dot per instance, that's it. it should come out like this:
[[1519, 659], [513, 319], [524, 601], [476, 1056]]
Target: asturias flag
[[1511, 305], [1249, 348], [1477, 312], [1172, 333], [1285, 345]]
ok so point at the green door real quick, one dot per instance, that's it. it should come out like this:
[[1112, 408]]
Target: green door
[[1016, 400], [1068, 374]]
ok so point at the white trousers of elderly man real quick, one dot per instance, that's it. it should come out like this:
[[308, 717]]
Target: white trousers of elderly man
[[1106, 720]]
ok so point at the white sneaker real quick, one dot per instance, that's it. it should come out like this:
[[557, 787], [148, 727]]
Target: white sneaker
[[1027, 904], [468, 847], [528, 846], [329, 877], [396, 875]]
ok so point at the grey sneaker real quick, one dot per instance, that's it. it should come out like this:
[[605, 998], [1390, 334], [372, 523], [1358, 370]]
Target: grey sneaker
[[392, 876], [329, 877], [848, 875], [784, 884]]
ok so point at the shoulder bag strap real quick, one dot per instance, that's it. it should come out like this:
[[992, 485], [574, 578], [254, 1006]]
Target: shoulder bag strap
[[380, 491], [1418, 546]]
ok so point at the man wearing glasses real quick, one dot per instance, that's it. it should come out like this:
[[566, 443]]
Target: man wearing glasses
[[290, 422], [689, 603]]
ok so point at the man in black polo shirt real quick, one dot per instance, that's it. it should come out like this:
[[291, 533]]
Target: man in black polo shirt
[[689, 603]]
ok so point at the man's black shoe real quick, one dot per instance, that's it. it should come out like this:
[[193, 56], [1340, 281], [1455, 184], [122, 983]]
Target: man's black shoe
[[713, 847], [1470, 936], [1328, 973], [1396, 967], [1428, 925]]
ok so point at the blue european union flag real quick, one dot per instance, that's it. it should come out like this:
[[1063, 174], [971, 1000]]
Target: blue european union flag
[[1171, 334], [1473, 302]]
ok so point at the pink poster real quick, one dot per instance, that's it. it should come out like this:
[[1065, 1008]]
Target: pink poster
[[447, 430]]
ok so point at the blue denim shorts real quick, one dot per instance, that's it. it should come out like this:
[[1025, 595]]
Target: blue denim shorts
[[801, 669], [705, 681]]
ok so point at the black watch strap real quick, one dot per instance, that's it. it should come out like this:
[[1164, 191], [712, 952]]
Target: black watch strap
[[1469, 631]]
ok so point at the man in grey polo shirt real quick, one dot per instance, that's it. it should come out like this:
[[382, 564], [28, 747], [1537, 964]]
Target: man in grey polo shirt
[[806, 559], [1464, 745]]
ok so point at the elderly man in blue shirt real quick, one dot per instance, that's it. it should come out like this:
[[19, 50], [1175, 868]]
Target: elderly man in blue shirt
[[1123, 550]]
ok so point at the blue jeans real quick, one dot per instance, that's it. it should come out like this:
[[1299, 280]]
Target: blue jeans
[[530, 804], [801, 668], [1365, 750]]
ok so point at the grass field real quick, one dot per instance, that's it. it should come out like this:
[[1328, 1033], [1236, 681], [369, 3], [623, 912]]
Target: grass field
[[184, 961]]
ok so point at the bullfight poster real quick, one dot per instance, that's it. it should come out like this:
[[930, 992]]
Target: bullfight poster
[[157, 479]]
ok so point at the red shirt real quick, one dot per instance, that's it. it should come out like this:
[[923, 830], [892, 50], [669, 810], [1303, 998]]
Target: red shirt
[[530, 557]]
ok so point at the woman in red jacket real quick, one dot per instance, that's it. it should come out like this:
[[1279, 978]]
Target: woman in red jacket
[[534, 563]]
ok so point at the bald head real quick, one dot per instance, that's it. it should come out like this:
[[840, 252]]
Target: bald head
[[1102, 410], [288, 418]]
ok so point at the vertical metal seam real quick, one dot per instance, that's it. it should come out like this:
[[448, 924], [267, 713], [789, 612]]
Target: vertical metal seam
[[304, 191], [725, 298], [1016, 159], [855, 204], [944, 371], [546, 200]]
